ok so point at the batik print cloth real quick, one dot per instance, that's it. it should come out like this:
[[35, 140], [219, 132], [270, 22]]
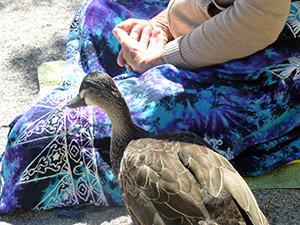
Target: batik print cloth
[[247, 109]]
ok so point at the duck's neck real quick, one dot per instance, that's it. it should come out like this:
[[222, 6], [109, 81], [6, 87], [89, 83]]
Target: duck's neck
[[122, 133]]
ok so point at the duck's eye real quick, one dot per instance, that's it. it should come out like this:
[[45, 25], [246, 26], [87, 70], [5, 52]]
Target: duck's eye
[[84, 85]]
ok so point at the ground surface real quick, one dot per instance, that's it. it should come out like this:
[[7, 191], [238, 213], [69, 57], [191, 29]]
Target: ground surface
[[35, 31]]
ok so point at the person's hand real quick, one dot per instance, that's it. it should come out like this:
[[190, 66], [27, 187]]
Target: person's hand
[[142, 48], [130, 26], [135, 28]]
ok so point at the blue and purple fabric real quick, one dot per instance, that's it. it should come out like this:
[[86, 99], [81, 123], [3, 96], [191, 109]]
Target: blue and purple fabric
[[247, 109]]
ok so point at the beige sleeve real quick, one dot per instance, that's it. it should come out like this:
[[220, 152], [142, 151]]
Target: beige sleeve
[[239, 31]]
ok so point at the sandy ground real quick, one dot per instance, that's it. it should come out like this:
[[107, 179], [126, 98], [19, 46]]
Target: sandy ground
[[35, 31]]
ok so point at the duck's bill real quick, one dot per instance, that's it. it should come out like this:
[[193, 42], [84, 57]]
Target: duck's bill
[[76, 102]]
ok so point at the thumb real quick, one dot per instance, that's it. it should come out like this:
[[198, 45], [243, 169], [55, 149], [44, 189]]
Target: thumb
[[120, 60]]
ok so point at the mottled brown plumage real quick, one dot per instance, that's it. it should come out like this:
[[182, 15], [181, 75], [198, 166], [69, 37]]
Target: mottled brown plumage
[[171, 178]]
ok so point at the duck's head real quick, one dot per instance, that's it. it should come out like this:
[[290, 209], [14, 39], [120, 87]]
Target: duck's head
[[98, 89]]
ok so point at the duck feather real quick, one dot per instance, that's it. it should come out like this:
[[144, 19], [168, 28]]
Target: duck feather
[[184, 180]]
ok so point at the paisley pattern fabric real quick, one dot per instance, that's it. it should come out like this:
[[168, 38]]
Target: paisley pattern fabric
[[248, 110]]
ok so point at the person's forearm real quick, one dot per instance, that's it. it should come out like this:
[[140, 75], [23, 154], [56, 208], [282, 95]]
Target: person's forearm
[[237, 32]]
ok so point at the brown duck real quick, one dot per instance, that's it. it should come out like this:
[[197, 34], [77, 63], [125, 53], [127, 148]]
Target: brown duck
[[170, 178]]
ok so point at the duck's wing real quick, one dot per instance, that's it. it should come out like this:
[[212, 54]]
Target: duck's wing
[[180, 182], [160, 175], [151, 174], [216, 174]]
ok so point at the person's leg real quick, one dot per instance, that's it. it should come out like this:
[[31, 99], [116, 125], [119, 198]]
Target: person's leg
[[275, 116], [51, 158]]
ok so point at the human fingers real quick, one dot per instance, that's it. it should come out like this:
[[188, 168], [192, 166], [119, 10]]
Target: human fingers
[[160, 43], [145, 37], [120, 60], [128, 47], [127, 25], [152, 42], [121, 35], [136, 32], [158, 32], [157, 39]]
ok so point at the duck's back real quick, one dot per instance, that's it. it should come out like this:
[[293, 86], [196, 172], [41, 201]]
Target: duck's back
[[176, 178]]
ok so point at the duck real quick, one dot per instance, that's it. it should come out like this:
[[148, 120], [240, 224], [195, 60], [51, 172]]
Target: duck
[[170, 178]]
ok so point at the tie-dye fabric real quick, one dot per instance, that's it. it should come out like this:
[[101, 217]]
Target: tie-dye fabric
[[247, 109]]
